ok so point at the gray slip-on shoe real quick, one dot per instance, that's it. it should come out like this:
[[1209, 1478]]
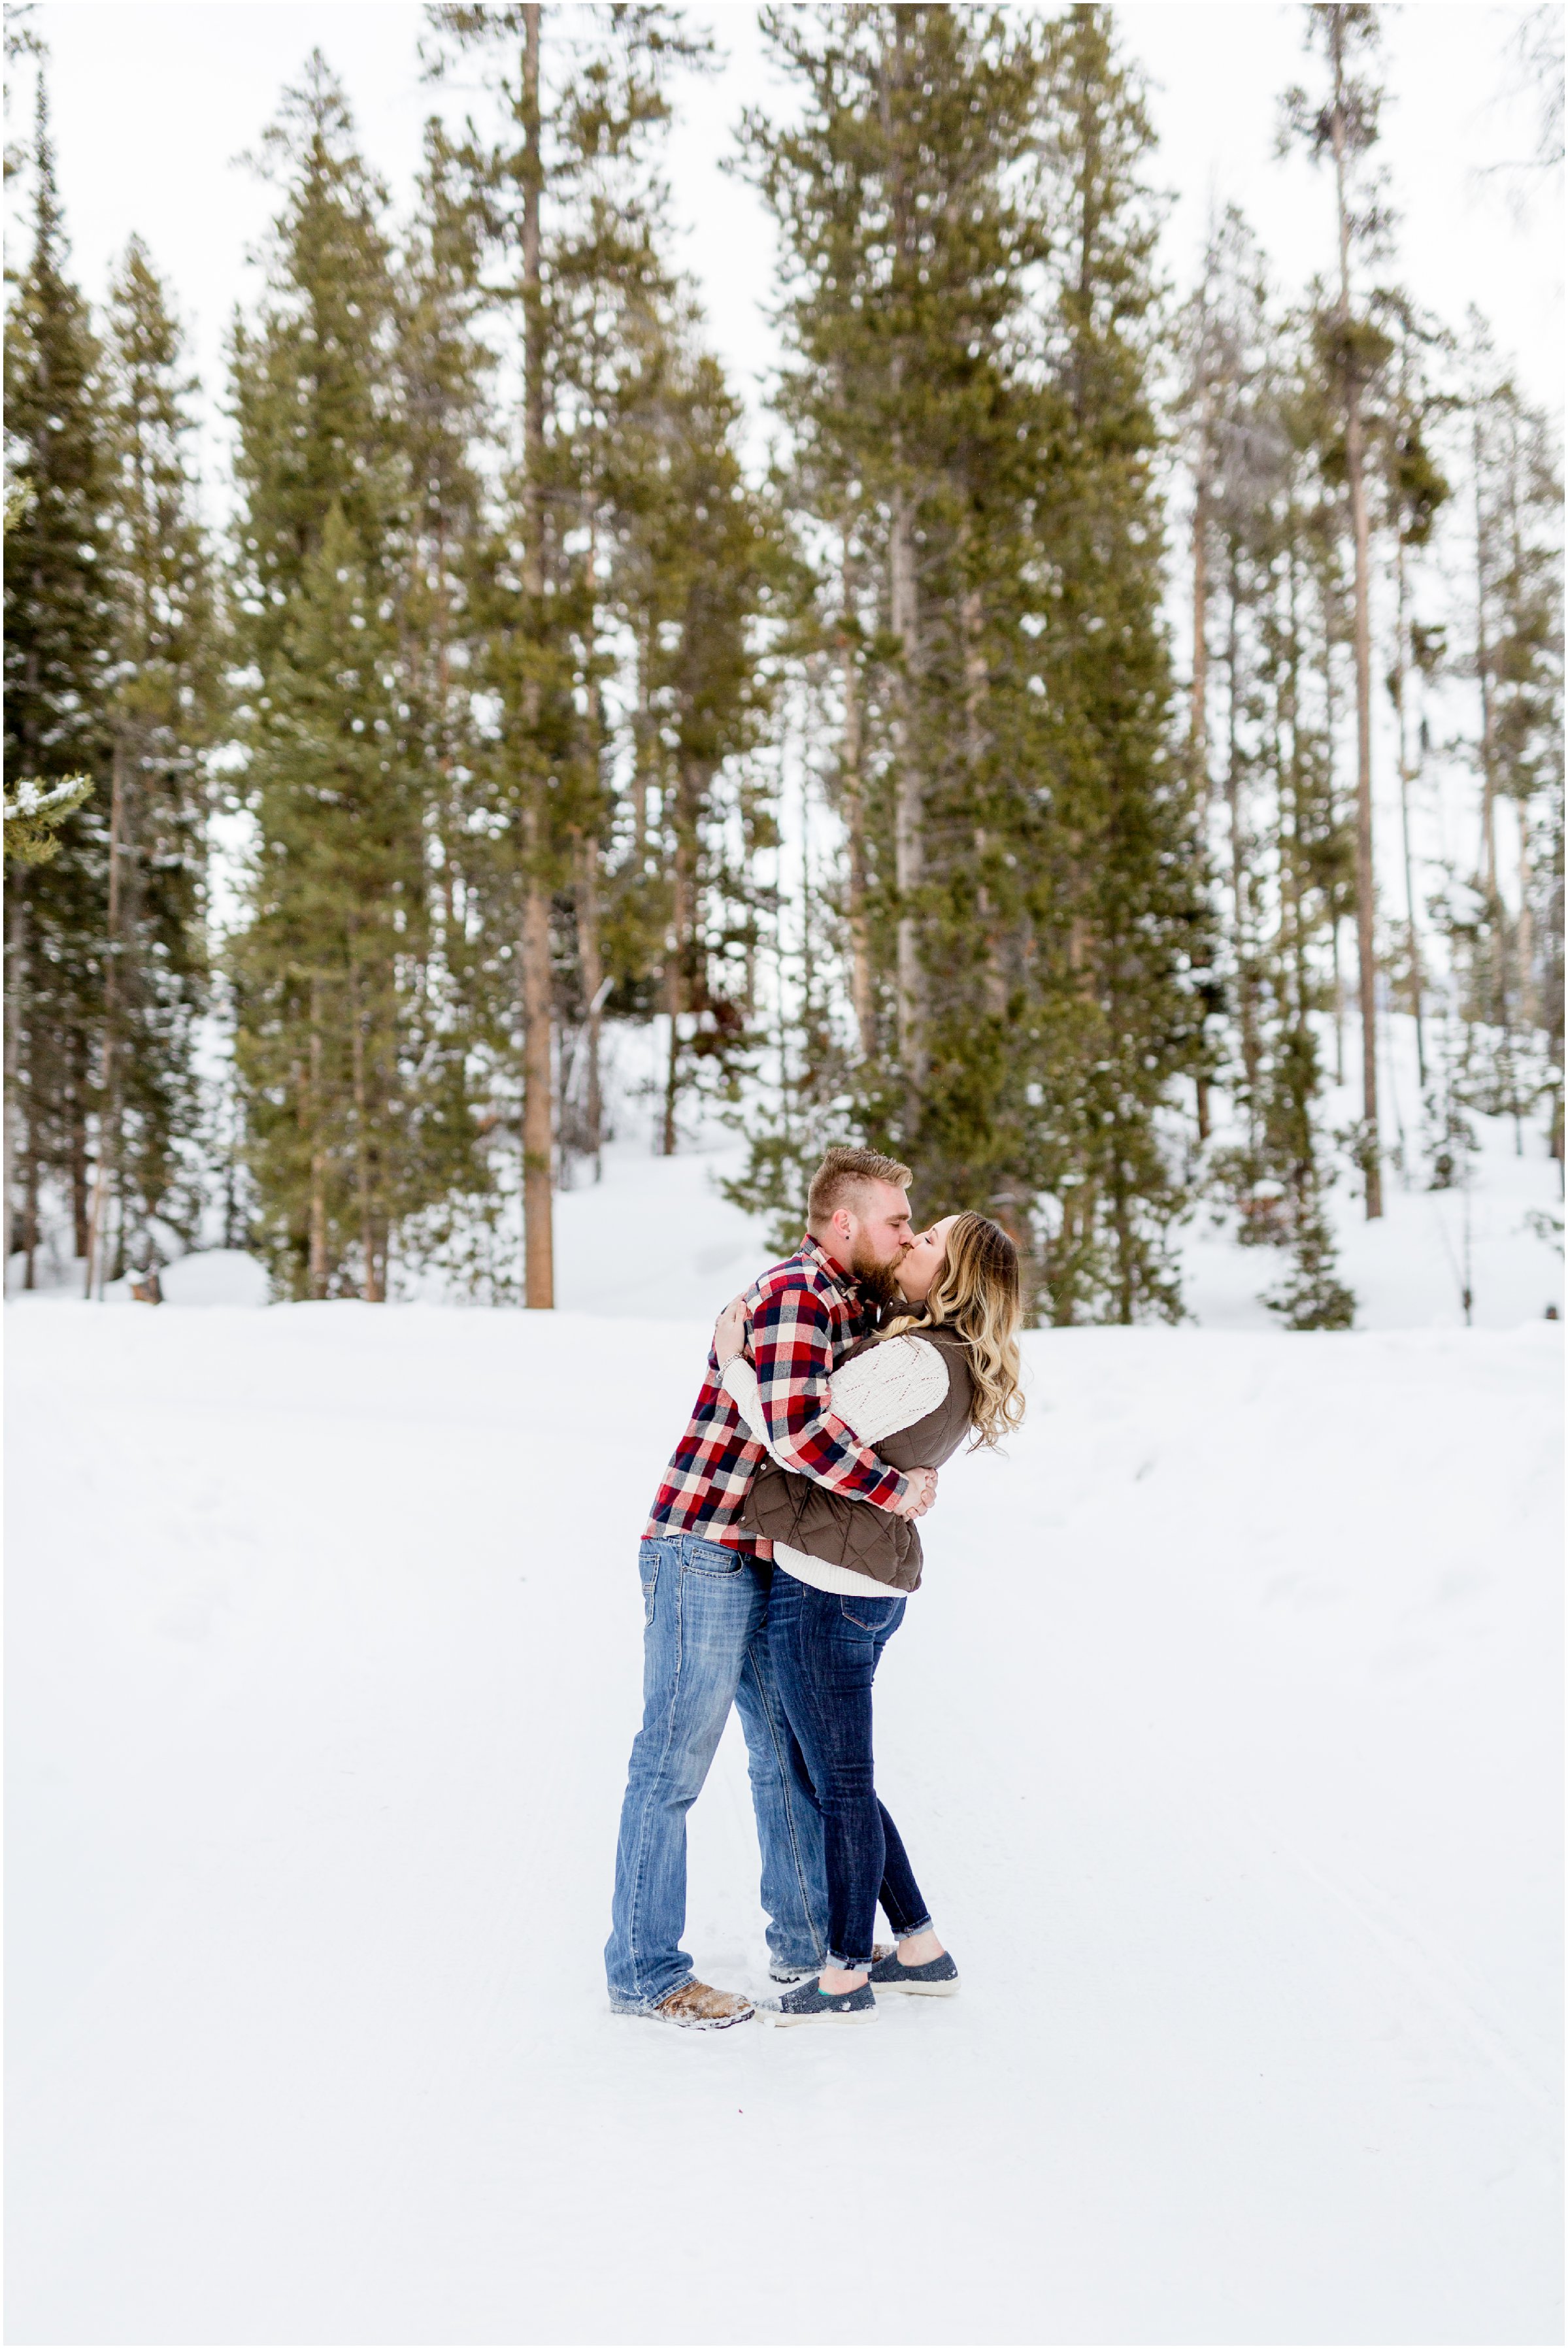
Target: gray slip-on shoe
[[809, 2004], [938, 1978], [787, 1976]]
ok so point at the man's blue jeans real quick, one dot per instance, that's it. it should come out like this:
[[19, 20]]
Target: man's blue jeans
[[705, 1648]]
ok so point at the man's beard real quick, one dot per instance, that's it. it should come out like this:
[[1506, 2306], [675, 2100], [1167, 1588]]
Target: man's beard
[[878, 1282]]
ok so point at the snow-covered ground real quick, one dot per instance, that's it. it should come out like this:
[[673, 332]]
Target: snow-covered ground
[[1225, 1735]]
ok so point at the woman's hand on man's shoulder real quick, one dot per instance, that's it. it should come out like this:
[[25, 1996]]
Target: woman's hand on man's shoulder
[[730, 1332]]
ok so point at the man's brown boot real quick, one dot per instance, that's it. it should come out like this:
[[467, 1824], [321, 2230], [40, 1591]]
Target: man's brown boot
[[695, 2007]]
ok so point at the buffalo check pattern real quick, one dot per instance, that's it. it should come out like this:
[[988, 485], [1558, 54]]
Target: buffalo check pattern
[[805, 1314]]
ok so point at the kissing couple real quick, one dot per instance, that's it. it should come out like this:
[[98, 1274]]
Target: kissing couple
[[776, 1567]]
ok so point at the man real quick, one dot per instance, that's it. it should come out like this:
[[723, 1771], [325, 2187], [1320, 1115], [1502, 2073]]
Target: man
[[705, 1591]]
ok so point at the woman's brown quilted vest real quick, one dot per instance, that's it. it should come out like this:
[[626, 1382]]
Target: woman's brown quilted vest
[[790, 1508]]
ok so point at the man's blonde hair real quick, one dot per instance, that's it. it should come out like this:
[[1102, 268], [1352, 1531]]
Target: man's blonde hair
[[842, 1177]]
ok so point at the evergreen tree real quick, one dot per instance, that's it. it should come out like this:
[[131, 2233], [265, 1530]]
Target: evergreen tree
[[162, 716], [1121, 917], [58, 649], [972, 308], [1516, 662], [356, 1081], [569, 212], [694, 562], [908, 265], [1265, 532], [1342, 126]]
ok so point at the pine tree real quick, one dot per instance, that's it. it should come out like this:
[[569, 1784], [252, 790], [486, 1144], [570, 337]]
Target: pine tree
[[695, 560], [1342, 127], [349, 1131], [443, 372], [59, 630], [1516, 665], [356, 1079], [162, 715], [569, 212], [974, 482], [908, 264], [1122, 921], [1414, 491]]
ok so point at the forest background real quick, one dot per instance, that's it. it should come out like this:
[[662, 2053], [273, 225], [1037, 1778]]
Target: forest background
[[1092, 709]]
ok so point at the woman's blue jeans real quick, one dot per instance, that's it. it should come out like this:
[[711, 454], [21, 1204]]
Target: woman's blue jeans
[[826, 1648], [707, 1647]]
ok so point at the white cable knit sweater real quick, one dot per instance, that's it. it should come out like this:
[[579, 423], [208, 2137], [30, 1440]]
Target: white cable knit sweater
[[887, 1387]]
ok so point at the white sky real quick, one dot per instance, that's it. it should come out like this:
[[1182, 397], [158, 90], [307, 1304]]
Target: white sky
[[154, 99]]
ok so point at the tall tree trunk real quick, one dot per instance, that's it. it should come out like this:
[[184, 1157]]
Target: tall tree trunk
[[80, 1214], [15, 974], [318, 1235], [1356, 472], [108, 1115], [974, 683], [904, 617], [908, 813], [538, 1108], [371, 1285], [1400, 681], [1484, 679], [30, 1211], [1245, 991], [853, 790], [591, 957], [642, 750], [1525, 950], [679, 957], [1198, 714]]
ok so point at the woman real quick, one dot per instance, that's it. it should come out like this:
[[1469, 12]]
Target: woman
[[843, 1573]]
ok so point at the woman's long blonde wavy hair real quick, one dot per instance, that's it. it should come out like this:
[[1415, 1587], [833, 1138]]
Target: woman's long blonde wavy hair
[[977, 1293]]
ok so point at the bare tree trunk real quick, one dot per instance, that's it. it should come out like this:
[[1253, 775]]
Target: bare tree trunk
[[15, 973], [370, 1282], [594, 990], [109, 1122], [974, 683], [1356, 471], [904, 617], [1483, 676], [677, 957], [909, 813], [1338, 1004], [538, 1106], [852, 786], [642, 739], [1198, 715], [30, 1212], [1529, 1008], [318, 1265], [80, 1216], [1401, 676], [1238, 890]]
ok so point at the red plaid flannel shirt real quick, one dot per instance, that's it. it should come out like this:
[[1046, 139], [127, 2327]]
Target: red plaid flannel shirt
[[805, 1315]]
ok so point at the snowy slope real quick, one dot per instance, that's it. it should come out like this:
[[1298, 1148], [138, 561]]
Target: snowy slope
[[1224, 1736]]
